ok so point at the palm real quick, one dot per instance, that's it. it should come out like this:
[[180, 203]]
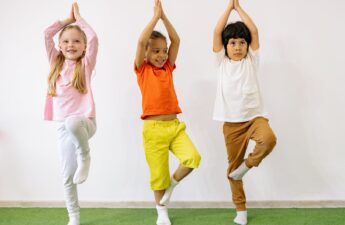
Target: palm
[[236, 4], [76, 11], [158, 9], [231, 4], [71, 15]]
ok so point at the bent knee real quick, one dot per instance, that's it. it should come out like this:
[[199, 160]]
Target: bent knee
[[73, 124], [192, 161], [269, 142], [67, 180]]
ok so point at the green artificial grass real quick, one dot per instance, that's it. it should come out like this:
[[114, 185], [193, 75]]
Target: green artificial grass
[[58, 216]]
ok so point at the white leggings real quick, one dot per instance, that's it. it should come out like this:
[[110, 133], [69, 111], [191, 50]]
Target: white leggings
[[73, 134]]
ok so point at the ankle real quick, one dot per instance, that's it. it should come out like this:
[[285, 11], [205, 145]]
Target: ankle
[[74, 219], [162, 215], [173, 181], [241, 218]]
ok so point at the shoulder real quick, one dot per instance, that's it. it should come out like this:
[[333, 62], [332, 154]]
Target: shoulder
[[168, 66], [253, 53], [220, 57], [144, 66]]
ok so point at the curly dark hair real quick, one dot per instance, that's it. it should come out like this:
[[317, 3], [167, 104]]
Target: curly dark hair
[[156, 34], [235, 30]]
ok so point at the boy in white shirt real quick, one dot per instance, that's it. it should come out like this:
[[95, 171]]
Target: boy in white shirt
[[238, 101]]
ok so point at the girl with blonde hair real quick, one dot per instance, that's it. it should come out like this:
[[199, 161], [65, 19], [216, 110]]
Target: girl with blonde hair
[[70, 101]]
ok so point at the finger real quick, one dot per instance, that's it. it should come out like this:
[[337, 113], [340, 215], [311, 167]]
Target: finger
[[76, 7]]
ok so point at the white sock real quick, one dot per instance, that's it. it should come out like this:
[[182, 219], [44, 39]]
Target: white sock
[[167, 194], [74, 219], [241, 218], [238, 173], [82, 171], [163, 217]]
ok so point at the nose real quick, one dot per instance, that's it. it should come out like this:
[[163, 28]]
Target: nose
[[161, 54]]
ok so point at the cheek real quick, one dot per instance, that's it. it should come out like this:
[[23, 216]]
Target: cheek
[[81, 46], [230, 49]]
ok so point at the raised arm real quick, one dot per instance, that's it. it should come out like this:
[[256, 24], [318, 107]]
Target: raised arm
[[217, 33], [51, 31], [145, 35], [92, 40], [173, 36], [249, 23]]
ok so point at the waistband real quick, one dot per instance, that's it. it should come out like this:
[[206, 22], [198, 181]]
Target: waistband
[[161, 122]]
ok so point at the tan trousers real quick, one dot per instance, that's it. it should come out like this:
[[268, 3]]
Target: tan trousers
[[237, 136]]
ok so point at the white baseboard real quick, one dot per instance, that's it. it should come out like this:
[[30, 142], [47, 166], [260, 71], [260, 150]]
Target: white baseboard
[[250, 204]]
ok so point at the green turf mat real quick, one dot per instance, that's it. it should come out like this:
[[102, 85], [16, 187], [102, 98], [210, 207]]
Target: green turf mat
[[58, 216]]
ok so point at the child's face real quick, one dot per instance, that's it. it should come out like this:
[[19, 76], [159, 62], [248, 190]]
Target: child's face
[[72, 44], [157, 52], [237, 48]]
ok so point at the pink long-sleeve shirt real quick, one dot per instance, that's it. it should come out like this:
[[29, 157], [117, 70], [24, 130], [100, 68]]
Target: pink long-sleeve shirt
[[68, 101]]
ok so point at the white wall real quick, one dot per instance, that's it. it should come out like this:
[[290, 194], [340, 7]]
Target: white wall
[[302, 79]]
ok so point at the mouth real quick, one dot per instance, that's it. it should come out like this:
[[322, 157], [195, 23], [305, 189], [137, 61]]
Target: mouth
[[160, 62], [71, 51]]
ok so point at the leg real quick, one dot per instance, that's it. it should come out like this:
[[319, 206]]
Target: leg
[[81, 130], [158, 196], [236, 144], [157, 156], [69, 166], [183, 148], [181, 172], [162, 210], [265, 140]]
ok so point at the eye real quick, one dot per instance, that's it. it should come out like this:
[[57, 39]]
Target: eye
[[65, 41], [77, 41]]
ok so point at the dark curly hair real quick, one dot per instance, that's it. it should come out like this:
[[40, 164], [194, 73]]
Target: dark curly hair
[[156, 35], [235, 30]]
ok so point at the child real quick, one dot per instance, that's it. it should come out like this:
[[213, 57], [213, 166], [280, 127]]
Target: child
[[238, 101], [70, 101], [154, 64]]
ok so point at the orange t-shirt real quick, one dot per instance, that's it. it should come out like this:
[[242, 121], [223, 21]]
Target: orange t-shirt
[[157, 89]]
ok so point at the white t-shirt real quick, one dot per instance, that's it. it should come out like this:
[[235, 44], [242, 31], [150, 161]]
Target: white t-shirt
[[238, 97]]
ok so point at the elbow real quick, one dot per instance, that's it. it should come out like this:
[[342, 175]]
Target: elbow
[[254, 32], [176, 41], [217, 31], [142, 43], [46, 34], [93, 41]]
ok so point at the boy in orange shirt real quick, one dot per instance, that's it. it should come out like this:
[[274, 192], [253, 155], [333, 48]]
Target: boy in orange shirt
[[162, 131]]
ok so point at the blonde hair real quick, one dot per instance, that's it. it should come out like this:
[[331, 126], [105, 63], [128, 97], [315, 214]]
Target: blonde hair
[[78, 81]]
